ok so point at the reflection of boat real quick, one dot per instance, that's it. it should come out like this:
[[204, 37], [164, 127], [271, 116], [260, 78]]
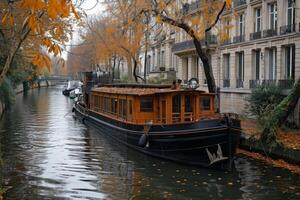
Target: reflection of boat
[[71, 85], [164, 121]]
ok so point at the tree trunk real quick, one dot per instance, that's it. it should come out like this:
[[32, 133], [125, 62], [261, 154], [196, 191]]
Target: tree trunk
[[134, 71], [206, 66], [7, 65], [279, 115]]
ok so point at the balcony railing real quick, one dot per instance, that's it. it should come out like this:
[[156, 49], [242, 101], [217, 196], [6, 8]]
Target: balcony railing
[[189, 44], [255, 35], [286, 84], [239, 38], [226, 83], [239, 83], [237, 3], [270, 33], [254, 83], [287, 29], [283, 84], [226, 42]]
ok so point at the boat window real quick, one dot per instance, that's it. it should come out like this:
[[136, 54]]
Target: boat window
[[205, 103], [146, 104], [130, 107], [124, 108], [176, 103], [188, 103]]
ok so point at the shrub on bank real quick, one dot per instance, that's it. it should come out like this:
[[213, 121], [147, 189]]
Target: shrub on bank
[[262, 100]]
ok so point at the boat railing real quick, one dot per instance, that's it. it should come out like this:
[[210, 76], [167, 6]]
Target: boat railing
[[188, 116], [176, 117]]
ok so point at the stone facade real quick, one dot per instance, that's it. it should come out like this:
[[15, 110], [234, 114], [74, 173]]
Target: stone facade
[[263, 47]]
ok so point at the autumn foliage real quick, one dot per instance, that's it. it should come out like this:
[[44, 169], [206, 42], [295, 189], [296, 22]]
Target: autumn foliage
[[32, 25]]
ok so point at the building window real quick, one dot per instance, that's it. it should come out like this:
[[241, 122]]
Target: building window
[[148, 64], [153, 67], [272, 63], [290, 18], [226, 64], [174, 64], [158, 59], [257, 64], [205, 103], [162, 64], [257, 25], [146, 104], [290, 62], [241, 25], [273, 16], [240, 66]]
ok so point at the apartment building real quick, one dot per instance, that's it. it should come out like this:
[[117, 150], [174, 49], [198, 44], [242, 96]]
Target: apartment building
[[263, 48], [157, 53]]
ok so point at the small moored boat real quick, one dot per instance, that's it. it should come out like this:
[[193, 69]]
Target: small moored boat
[[163, 121]]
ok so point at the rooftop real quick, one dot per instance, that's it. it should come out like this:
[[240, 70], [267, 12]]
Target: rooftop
[[139, 91]]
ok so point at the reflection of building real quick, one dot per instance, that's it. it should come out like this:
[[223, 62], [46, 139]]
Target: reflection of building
[[263, 38]]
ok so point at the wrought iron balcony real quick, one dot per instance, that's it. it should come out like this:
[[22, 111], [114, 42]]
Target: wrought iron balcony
[[287, 29], [269, 33], [237, 3], [286, 84], [268, 82], [254, 83], [255, 35], [226, 83], [239, 38], [226, 42], [239, 83], [283, 84], [189, 44]]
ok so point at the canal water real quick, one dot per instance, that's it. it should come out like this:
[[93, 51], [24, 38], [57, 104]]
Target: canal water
[[48, 154]]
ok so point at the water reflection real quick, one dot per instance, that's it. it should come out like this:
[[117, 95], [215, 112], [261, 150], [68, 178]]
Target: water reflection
[[50, 155]]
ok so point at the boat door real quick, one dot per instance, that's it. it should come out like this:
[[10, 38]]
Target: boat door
[[176, 108]]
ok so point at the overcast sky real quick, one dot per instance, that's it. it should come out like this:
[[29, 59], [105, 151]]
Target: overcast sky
[[92, 8]]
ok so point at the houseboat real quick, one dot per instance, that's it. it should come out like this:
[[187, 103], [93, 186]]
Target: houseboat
[[164, 121]]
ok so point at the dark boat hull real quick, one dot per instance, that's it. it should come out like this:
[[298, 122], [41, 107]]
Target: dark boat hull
[[207, 143]]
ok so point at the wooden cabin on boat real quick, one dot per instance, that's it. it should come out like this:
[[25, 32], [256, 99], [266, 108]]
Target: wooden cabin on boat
[[152, 104]]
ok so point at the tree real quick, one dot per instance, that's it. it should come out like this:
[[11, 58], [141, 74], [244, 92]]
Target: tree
[[279, 115], [176, 13], [31, 24]]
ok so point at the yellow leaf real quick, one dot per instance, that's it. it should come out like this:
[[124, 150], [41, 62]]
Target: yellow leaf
[[228, 3]]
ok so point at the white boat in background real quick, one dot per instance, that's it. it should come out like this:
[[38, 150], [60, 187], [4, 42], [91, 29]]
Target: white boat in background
[[75, 93]]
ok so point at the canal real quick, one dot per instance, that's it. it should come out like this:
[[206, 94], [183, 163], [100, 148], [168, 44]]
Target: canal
[[48, 154]]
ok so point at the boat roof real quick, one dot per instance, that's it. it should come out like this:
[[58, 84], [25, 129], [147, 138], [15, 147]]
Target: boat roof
[[140, 91]]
